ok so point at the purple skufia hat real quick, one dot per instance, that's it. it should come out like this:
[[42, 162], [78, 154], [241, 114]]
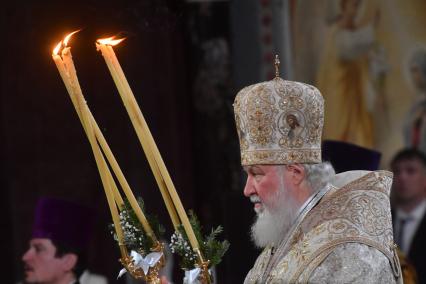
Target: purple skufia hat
[[65, 222], [347, 157]]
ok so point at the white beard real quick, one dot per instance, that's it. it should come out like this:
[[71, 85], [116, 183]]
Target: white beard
[[271, 226]]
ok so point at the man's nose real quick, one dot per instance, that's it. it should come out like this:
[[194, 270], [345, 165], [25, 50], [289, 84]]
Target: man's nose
[[27, 255], [249, 188]]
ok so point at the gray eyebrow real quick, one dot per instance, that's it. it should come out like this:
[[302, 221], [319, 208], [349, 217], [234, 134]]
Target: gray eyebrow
[[249, 167]]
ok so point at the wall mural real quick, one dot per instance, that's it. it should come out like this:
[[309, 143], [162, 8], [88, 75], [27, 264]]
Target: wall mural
[[368, 58]]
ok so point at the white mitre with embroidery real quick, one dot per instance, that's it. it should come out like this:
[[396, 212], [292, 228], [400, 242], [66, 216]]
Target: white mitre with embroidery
[[279, 122]]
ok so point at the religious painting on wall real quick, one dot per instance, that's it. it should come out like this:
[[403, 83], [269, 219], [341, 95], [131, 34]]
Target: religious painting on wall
[[368, 58]]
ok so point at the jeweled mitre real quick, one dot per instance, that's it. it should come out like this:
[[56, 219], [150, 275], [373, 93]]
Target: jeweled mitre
[[279, 122]]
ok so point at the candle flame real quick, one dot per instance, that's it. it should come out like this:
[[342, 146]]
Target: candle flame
[[57, 48], [63, 43], [68, 37], [110, 41]]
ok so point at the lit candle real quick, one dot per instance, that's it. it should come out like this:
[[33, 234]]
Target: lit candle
[[68, 73], [108, 153], [73, 86], [61, 68], [67, 58], [138, 124], [144, 135]]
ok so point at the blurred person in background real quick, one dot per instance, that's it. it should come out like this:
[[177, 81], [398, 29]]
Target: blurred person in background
[[409, 206], [57, 252]]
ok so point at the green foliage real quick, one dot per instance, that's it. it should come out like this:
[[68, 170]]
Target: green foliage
[[135, 237], [212, 249]]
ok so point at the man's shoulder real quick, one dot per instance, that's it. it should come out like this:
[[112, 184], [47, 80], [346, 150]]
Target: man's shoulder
[[356, 215], [354, 263], [359, 179], [359, 205]]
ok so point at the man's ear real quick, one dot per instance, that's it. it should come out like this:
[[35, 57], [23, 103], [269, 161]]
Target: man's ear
[[69, 261], [297, 173]]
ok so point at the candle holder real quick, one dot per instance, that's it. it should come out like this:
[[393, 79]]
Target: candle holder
[[205, 277], [142, 255], [152, 277]]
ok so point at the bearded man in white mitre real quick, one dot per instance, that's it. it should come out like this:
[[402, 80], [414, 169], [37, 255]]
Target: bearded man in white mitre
[[314, 226]]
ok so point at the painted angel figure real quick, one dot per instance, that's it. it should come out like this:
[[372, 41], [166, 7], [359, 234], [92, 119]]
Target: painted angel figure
[[344, 76]]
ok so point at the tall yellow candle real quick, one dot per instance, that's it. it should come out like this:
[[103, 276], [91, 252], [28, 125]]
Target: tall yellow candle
[[114, 165], [144, 140], [61, 68], [140, 125], [76, 94], [67, 81], [75, 88], [103, 170]]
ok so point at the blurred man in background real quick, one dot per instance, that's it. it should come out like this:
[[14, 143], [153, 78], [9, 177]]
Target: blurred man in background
[[409, 206], [57, 249]]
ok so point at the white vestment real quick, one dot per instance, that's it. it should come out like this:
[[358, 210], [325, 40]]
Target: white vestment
[[343, 235]]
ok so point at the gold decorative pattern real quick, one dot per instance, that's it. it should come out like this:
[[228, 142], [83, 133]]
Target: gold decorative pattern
[[279, 122], [359, 212], [260, 114], [259, 267]]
